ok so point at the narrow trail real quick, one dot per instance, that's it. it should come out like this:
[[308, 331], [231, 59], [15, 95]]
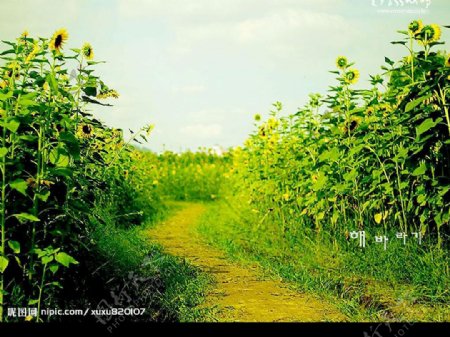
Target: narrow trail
[[240, 292]]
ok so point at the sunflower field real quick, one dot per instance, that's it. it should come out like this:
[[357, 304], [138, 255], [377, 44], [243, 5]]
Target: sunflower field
[[375, 157], [74, 191]]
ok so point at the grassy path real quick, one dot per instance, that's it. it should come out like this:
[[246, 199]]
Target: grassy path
[[240, 292]]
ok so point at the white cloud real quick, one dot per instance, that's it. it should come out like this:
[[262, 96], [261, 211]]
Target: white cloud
[[203, 131]]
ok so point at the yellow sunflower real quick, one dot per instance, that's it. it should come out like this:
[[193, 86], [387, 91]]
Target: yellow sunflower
[[85, 131], [352, 76], [108, 94], [370, 110], [58, 39], [87, 51], [13, 70], [341, 62], [354, 123], [429, 34], [415, 27]]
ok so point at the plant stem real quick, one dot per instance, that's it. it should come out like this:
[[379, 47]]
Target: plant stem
[[411, 45], [41, 288], [447, 115], [36, 202]]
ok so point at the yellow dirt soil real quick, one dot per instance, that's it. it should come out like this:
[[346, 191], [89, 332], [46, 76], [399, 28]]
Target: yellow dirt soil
[[240, 293]]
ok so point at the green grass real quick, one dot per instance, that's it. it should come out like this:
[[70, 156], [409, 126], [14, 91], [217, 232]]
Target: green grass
[[123, 258], [401, 283]]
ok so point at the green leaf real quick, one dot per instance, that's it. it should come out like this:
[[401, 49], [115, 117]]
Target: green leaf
[[15, 246], [65, 259], [62, 172], [27, 102], [43, 196], [54, 268], [28, 138], [59, 157], [3, 152], [31, 95], [398, 42], [3, 264], [411, 105], [420, 170], [320, 182], [68, 137], [388, 61], [9, 51], [426, 125], [320, 216], [56, 284], [90, 91], [12, 125], [4, 97], [33, 302], [350, 176], [20, 186], [421, 199], [52, 82], [438, 220], [72, 144], [47, 259], [24, 217]]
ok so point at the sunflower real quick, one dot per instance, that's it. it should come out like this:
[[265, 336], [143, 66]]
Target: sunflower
[[370, 110], [415, 27], [25, 34], [429, 34], [85, 131], [3, 84], [116, 133], [352, 125], [108, 94], [341, 62], [352, 76], [87, 51], [58, 39], [13, 69]]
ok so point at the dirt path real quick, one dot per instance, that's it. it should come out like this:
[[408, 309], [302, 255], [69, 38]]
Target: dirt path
[[240, 293]]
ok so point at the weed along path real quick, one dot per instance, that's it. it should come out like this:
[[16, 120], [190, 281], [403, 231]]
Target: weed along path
[[240, 293]]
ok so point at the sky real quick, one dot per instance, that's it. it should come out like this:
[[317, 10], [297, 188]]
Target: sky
[[201, 69]]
